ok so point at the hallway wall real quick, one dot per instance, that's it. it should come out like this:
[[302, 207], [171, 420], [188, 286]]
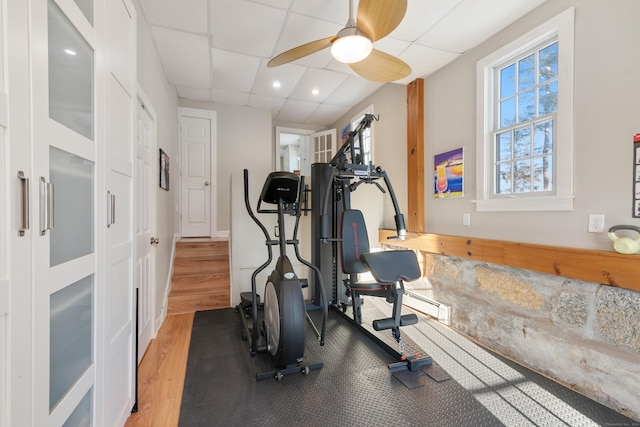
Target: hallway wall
[[163, 96]]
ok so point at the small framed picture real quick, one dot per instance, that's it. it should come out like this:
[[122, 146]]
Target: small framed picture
[[164, 170], [448, 174]]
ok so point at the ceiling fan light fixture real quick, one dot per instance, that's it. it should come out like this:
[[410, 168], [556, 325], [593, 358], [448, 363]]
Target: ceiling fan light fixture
[[351, 47]]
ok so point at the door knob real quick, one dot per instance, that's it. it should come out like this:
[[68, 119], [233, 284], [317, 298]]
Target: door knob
[[155, 241], [206, 183]]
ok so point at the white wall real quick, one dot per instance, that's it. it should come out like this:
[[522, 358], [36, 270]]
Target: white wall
[[390, 151], [163, 97], [607, 114], [244, 141]]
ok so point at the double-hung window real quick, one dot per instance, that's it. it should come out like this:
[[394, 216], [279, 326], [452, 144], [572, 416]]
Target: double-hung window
[[365, 146], [525, 135]]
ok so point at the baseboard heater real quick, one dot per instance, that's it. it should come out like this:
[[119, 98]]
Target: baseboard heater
[[440, 311]]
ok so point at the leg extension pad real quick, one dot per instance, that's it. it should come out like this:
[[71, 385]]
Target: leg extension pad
[[389, 322]]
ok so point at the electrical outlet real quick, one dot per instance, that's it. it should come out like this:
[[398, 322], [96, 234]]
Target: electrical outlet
[[596, 223], [466, 219]]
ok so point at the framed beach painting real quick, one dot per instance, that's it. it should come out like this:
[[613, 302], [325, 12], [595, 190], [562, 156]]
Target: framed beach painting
[[448, 174]]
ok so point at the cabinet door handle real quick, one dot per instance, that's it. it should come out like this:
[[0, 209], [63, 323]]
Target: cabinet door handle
[[46, 206], [111, 209], [24, 226]]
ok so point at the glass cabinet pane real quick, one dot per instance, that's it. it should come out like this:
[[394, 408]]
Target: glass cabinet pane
[[71, 326], [72, 233], [86, 7], [70, 75], [82, 415]]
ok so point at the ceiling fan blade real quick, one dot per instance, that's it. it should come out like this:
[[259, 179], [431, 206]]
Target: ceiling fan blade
[[381, 67], [377, 18], [300, 51]]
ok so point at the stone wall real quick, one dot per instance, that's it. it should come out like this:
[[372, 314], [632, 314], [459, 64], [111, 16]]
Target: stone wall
[[584, 335]]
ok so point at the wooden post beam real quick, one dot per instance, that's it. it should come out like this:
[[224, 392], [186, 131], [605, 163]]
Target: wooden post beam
[[415, 156]]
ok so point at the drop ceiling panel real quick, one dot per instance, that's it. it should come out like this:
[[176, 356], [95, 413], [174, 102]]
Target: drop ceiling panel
[[336, 11], [327, 114], [247, 27], [296, 111], [185, 57], [479, 21], [351, 89], [425, 61], [422, 15], [266, 103], [193, 93], [185, 15], [301, 29], [391, 46], [324, 81], [229, 98], [282, 4], [218, 49], [287, 75], [233, 71]]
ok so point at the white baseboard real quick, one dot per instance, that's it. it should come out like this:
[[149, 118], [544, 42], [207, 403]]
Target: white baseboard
[[221, 233], [165, 299]]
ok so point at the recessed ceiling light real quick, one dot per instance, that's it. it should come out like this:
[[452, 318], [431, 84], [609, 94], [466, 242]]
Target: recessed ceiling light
[[315, 91], [276, 84], [70, 52]]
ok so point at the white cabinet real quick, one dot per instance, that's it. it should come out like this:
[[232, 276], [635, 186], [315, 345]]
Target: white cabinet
[[68, 326]]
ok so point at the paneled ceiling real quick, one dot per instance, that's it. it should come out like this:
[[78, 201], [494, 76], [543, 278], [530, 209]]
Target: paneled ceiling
[[217, 50]]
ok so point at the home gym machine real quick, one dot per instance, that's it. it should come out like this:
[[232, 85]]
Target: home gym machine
[[277, 326], [341, 244]]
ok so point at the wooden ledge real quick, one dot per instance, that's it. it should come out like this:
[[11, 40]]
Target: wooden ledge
[[608, 268]]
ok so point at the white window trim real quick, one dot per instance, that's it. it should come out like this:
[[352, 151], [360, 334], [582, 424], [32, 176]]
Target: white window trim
[[563, 26], [358, 117]]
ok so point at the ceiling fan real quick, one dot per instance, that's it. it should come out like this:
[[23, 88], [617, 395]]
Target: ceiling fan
[[354, 43]]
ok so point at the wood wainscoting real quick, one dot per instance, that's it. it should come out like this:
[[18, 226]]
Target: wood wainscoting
[[604, 267]]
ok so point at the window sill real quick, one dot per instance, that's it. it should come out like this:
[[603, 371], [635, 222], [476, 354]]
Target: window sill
[[525, 204]]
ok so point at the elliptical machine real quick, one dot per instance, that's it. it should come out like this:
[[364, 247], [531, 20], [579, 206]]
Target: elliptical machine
[[280, 330]]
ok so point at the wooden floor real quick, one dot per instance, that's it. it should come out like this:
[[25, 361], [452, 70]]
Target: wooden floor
[[200, 281], [201, 276], [161, 374]]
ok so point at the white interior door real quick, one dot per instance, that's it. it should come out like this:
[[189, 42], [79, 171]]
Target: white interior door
[[145, 208], [323, 146], [66, 316], [21, 199], [4, 249], [198, 186], [116, 338], [4, 283]]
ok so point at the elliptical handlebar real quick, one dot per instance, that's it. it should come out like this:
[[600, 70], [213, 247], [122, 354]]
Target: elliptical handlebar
[[250, 211]]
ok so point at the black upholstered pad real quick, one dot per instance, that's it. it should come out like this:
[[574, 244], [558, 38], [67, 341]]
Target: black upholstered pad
[[391, 266], [355, 241]]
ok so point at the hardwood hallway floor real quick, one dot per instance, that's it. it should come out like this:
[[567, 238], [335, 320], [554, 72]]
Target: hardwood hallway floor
[[200, 282], [161, 374]]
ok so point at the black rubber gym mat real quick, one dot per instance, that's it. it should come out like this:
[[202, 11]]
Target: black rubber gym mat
[[354, 388]]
